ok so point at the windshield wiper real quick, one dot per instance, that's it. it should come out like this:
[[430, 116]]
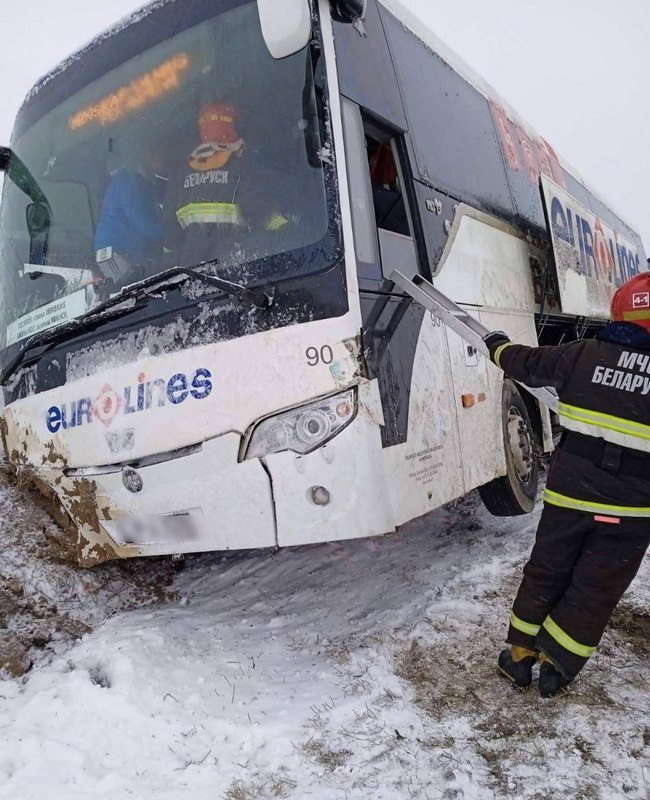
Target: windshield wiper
[[259, 297]]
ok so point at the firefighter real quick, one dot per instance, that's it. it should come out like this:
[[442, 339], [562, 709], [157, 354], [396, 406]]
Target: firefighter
[[225, 189], [211, 176], [595, 525]]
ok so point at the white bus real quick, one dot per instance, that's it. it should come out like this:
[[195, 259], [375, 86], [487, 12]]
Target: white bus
[[251, 377]]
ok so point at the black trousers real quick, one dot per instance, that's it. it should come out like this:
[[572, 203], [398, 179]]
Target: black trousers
[[577, 572]]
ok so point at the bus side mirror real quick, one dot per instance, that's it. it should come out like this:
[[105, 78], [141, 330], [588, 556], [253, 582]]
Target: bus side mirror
[[38, 213], [348, 10], [37, 216], [38, 219], [286, 25]]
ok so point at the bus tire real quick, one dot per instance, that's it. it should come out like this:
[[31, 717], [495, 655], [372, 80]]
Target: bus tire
[[515, 492]]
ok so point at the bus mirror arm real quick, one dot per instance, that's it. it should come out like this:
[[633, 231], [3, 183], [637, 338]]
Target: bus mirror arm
[[313, 116], [19, 175], [38, 213]]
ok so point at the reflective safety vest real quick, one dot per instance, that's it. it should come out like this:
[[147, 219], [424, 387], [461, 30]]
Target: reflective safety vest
[[225, 214], [618, 430], [210, 195], [604, 391], [228, 188], [219, 213]]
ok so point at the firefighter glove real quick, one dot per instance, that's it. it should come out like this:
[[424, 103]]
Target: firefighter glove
[[494, 339]]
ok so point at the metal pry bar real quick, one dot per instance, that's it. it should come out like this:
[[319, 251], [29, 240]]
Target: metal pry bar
[[460, 322]]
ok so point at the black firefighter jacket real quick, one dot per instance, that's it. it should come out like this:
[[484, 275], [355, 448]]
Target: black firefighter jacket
[[602, 464]]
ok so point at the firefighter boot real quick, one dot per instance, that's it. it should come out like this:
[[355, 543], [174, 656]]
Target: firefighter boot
[[551, 680], [516, 665]]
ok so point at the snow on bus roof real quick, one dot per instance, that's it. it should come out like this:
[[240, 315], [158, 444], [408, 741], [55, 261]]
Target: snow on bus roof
[[457, 63]]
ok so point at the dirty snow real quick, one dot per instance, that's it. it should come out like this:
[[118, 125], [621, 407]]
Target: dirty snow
[[347, 671]]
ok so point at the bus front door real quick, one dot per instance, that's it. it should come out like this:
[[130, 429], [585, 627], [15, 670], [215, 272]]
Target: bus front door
[[406, 349]]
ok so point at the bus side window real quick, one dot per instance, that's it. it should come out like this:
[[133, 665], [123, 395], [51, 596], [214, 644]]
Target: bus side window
[[387, 197], [396, 245]]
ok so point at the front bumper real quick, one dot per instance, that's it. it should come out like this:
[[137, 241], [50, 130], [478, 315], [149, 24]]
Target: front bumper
[[210, 501], [205, 499]]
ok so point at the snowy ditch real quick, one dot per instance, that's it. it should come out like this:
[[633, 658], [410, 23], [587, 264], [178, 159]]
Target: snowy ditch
[[347, 671]]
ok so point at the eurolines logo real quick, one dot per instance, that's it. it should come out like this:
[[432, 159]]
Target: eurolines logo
[[131, 399]]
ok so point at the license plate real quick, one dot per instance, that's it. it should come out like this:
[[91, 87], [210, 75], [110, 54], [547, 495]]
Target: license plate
[[157, 528]]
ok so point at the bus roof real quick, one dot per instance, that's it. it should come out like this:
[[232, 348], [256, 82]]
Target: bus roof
[[459, 65], [400, 12]]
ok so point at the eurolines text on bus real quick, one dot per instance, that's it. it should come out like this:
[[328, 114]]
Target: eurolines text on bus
[[599, 248], [132, 399]]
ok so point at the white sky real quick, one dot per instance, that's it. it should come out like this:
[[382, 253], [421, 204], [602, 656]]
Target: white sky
[[574, 69]]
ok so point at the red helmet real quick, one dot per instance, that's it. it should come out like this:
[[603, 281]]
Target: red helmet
[[217, 123], [631, 303]]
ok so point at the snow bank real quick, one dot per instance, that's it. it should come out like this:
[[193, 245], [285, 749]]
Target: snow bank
[[355, 670]]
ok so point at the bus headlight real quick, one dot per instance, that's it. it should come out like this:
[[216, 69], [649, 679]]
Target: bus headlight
[[303, 429]]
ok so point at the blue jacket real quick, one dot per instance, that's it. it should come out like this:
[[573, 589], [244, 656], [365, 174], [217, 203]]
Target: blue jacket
[[130, 220]]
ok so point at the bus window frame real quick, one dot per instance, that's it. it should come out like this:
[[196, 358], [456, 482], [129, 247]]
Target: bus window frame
[[364, 228], [397, 140], [357, 123]]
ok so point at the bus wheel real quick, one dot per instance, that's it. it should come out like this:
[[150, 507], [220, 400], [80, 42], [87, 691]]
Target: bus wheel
[[516, 491]]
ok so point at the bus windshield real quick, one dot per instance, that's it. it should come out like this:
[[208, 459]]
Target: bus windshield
[[201, 148]]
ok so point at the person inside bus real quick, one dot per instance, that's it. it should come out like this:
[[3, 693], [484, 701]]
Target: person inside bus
[[130, 220], [390, 210], [225, 191]]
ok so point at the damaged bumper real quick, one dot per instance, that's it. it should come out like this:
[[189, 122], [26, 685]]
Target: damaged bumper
[[204, 500]]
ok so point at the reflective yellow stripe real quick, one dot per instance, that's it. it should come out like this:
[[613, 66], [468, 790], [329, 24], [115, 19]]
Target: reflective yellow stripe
[[524, 627], [563, 639], [557, 499], [625, 426], [276, 222], [630, 315], [499, 350], [228, 213]]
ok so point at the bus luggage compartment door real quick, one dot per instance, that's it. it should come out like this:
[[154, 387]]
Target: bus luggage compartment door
[[476, 416]]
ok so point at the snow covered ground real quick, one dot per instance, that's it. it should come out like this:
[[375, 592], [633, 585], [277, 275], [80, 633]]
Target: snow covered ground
[[347, 671]]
